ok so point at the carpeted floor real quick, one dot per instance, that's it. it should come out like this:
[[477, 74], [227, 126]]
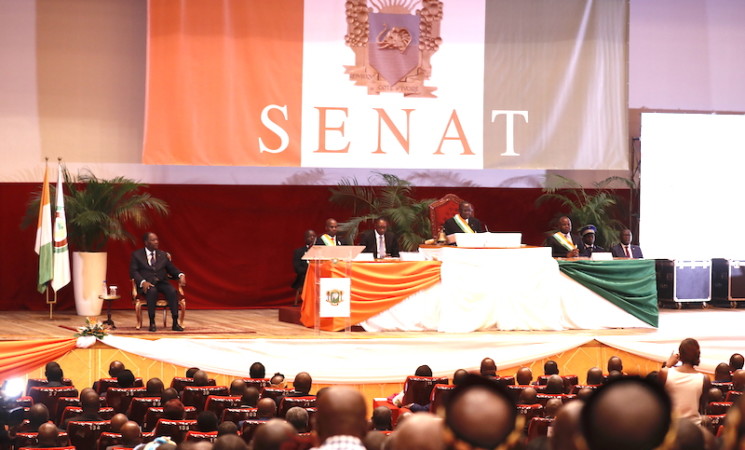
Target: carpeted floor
[[143, 332]]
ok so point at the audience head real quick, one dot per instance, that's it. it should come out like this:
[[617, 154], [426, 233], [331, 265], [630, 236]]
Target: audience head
[[266, 408], [721, 373], [584, 394], [237, 387], [38, 414], [50, 364], [117, 420], [174, 410], [422, 431], [524, 376], [594, 376], [341, 411], [54, 373], [736, 361], [375, 440], [272, 434], [465, 210], [550, 368], [459, 376], [528, 396], [131, 433], [566, 425], [690, 352], [168, 394], [207, 421], [423, 371], [381, 419], [613, 375], [298, 418], [625, 236], [47, 436], [230, 442], [115, 367], [715, 395], [256, 370], [552, 407], [155, 387], [615, 363], [555, 385], [227, 427], [303, 382], [90, 401], [565, 226], [201, 378], [688, 436], [480, 413], [627, 413], [278, 380], [125, 378], [250, 396], [738, 380], [488, 368], [191, 371], [331, 227]]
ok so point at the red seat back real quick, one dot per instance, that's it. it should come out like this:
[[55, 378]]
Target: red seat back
[[196, 396], [274, 392], [139, 406], [732, 396], [235, 415], [440, 396], [155, 413], [179, 383], [108, 439], [30, 439], [69, 412], [258, 383], [49, 396], [418, 389], [103, 384], [506, 381], [84, 435], [175, 429], [62, 404], [724, 386], [43, 382], [119, 398], [538, 426], [289, 402], [717, 408], [441, 210], [530, 411], [249, 428], [196, 436], [218, 403]]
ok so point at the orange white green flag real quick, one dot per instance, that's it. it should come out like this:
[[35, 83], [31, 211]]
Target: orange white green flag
[[43, 245], [61, 274]]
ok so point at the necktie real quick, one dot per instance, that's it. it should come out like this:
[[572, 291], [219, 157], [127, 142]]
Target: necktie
[[381, 247], [628, 251], [152, 258]]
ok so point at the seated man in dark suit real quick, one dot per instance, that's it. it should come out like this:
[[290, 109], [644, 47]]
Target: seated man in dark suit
[[298, 263], [564, 243], [380, 242], [626, 249], [149, 268], [588, 239], [89, 403], [463, 222], [331, 237]]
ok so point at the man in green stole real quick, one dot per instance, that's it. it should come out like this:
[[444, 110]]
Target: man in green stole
[[331, 237]]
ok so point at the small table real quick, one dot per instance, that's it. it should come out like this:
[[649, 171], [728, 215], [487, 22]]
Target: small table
[[108, 299]]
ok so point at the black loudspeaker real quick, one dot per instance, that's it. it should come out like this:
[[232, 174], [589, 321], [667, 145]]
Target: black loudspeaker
[[692, 280]]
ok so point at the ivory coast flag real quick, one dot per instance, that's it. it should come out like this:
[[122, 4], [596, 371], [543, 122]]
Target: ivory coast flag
[[43, 246], [61, 275]]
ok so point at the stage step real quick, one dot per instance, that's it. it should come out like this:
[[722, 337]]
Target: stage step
[[291, 314]]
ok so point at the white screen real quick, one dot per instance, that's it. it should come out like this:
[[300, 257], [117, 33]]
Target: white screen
[[692, 186]]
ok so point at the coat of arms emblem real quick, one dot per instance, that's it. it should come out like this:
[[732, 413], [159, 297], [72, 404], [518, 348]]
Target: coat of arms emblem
[[334, 297], [393, 42]]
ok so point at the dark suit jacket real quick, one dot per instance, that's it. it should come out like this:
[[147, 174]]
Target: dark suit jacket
[[339, 240], [370, 241], [617, 251], [300, 266], [140, 270], [587, 251], [451, 226], [558, 250]]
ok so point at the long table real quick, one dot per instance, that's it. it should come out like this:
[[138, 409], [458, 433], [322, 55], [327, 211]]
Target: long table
[[481, 289]]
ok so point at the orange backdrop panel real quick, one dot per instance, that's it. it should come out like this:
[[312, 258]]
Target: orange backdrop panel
[[213, 68], [376, 287]]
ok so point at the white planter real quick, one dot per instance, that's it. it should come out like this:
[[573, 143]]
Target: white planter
[[88, 273]]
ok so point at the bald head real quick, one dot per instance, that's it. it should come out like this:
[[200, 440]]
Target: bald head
[[566, 426], [736, 361], [627, 413], [528, 396], [230, 442], [89, 401], [131, 433], [381, 418], [38, 414], [303, 382], [480, 413], [272, 434], [201, 378], [174, 410], [237, 387], [550, 368], [154, 387], [552, 407], [459, 375], [266, 408], [488, 368], [250, 396], [721, 373], [115, 367], [524, 376], [615, 363], [341, 411], [555, 385], [594, 376], [738, 380], [47, 435], [422, 431], [117, 421]]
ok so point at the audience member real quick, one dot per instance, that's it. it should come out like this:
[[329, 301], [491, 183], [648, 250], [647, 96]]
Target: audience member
[[250, 397], [552, 407], [201, 378], [564, 243], [594, 376], [629, 413], [154, 387], [375, 440], [554, 385], [550, 368], [715, 395], [524, 376], [227, 427], [614, 374], [423, 371], [736, 362], [301, 385], [381, 419], [688, 388], [116, 422], [340, 420], [190, 372], [125, 379], [38, 414], [584, 394], [738, 380], [463, 222], [488, 368], [421, 432], [54, 375], [47, 435], [237, 387], [480, 413], [566, 426], [722, 373], [588, 241], [379, 241], [256, 370], [615, 363], [206, 421], [298, 418], [278, 380], [115, 367], [168, 394], [331, 237], [131, 435], [272, 434], [230, 442], [266, 408], [688, 436], [459, 375], [626, 249], [299, 264], [174, 410], [89, 404], [528, 396]]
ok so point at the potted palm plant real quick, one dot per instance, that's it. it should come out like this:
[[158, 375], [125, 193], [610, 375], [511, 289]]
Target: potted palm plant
[[98, 211]]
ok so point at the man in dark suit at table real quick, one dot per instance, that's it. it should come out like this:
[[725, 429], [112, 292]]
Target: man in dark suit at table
[[564, 243], [626, 249], [299, 264], [149, 267], [380, 242], [463, 222], [332, 236], [588, 241]]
